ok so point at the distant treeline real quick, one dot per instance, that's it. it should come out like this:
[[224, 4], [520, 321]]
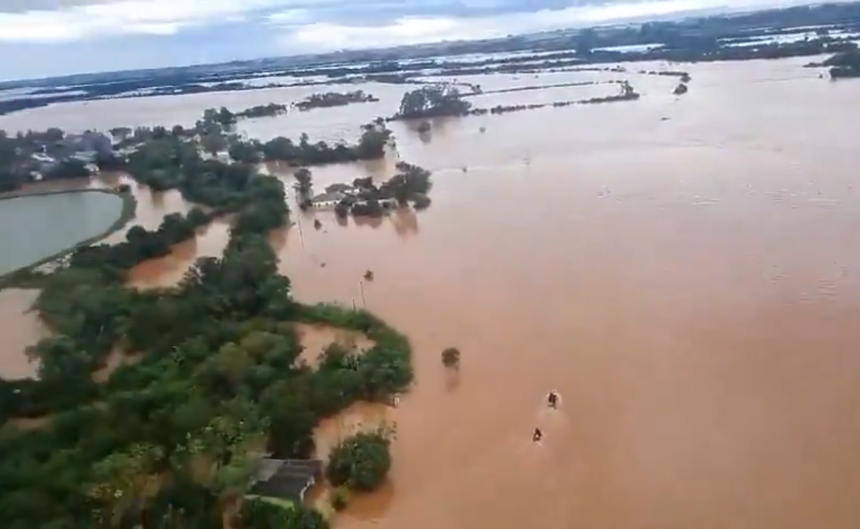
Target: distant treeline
[[716, 38]]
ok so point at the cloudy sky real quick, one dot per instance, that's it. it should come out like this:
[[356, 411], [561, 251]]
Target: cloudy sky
[[54, 37]]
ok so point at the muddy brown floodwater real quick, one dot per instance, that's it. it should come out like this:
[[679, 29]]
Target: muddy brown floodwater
[[689, 285]]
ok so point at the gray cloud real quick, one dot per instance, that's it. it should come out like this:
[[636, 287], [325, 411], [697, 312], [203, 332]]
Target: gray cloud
[[22, 6]]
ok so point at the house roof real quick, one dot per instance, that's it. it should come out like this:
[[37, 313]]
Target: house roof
[[339, 188], [329, 197], [285, 478]]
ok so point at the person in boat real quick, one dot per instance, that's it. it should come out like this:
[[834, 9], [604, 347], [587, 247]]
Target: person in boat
[[538, 435], [552, 399]]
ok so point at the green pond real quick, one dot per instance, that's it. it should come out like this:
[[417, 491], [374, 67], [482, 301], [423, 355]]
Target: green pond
[[35, 227]]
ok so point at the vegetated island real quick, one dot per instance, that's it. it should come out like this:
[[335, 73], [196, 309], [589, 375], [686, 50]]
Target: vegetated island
[[731, 37], [438, 100], [262, 111], [213, 392], [334, 99], [845, 65], [364, 198]]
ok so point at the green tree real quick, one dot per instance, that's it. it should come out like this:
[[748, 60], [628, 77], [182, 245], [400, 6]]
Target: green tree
[[120, 133], [213, 143], [304, 181], [244, 152], [260, 513], [433, 100], [126, 481], [361, 462]]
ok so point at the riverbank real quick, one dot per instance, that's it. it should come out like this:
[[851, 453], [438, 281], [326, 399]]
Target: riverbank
[[24, 277]]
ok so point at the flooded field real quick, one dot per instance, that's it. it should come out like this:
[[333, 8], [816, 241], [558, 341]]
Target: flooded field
[[682, 270]]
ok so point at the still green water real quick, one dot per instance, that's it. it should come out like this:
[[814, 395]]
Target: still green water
[[35, 227]]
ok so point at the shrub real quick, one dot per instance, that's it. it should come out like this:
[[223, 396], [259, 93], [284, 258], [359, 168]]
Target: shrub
[[360, 462], [258, 513], [451, 357], [340, 497]]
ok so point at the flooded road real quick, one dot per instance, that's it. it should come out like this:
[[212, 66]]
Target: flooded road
[[683, 271]]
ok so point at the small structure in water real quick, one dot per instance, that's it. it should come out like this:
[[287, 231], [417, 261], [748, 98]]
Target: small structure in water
[[285, 478], [327, 199], [552, 399]]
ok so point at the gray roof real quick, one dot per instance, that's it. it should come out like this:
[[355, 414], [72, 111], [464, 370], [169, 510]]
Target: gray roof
[[285, 478], [339, 188], [328, 197]]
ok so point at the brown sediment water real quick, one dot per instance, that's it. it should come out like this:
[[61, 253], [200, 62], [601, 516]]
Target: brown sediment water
[[169, 270], [689, 285], [21, 328], [315, 339]]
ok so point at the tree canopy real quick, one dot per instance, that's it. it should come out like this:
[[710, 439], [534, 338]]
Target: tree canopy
[[432, 101], [360, 462], [217, 381]]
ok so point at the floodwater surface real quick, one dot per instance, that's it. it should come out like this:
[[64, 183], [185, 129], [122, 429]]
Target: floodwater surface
[[683, 270], [22, 328], [35, 227]]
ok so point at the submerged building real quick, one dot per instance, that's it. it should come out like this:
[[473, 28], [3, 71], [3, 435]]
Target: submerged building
[[285, 478]]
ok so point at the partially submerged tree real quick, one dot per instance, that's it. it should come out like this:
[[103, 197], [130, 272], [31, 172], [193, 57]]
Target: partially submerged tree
[[432, 101], [451, 358], [361, 462], [304, 182]]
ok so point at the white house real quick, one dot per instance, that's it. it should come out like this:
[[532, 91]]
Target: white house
[[44, 163], [327, 200]]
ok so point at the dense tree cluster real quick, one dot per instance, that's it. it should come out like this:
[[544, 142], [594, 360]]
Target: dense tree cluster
[[432, 101], [165, 158], [260, 111], [334, 99], [262, 514], [170, 438], [371, 145], [411, 183], [17, 164], [360, 462], [844, 65]]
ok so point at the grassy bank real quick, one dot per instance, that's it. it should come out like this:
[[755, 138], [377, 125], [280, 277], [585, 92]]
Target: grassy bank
[[26, 276]]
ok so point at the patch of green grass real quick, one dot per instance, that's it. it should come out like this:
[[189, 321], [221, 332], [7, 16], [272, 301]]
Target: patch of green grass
[[278, 502]]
